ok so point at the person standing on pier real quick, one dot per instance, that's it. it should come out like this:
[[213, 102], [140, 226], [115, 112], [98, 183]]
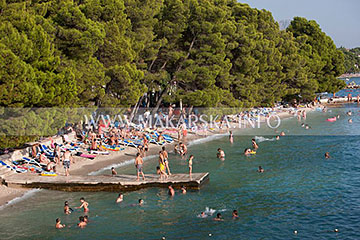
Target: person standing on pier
[[162, 166], [66, 161], [190, 164], [166, 159], [139, 166]]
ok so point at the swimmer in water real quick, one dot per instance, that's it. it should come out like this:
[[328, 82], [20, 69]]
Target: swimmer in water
[[235, 214], [231, 138], [303, 125], [177, 149], [120, 198], [141, 202], [350, 120], [86, 218], [82, 222], [349, 113], [202, 215], [247, 151], [260, 170], [67, 209], [277, 137], [183, 189], [254, 144], [171, 191], [221, 154], [338, 116], [282, 134], [84, 205], [58, 224], [218, 217], [113, 171], [183, 149], [327, 155], [307, 126]]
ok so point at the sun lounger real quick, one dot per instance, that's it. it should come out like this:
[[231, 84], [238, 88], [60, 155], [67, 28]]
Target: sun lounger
[[130, 142], [47, 151], [34, 162], [14, 168]]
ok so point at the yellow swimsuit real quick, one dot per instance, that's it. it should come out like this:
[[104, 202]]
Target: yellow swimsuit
[[162, 167]]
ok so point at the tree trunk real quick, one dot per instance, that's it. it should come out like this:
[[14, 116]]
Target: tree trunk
[[136, 108], [159, 100], [190, 109]]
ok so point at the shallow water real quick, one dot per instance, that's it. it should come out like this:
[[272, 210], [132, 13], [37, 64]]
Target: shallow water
[[299, 190]]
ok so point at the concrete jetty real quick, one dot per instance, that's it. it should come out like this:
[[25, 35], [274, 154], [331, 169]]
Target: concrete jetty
[[108, 183]]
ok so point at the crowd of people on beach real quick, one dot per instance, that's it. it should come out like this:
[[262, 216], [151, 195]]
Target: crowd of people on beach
[[103, 139]]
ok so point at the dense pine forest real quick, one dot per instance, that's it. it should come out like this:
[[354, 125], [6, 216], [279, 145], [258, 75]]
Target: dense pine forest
[[205, 52], [352, 59], [116, 53]]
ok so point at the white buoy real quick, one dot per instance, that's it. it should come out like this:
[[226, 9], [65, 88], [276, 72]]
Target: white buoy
[[295, 232], [210, 234], [336, 230], [163, 238]]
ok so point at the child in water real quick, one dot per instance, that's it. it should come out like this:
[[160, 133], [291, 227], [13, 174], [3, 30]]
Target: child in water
[[82, 222], [235, 214], [84, 205], [247, 151], [67, 209], [120, 198], [221, 154], [113, 172], [218, 217], [254, 144], [58, 224]]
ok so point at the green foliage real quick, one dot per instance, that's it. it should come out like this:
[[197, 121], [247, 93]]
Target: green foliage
[[109, 53], [352, 59], [324, 61]]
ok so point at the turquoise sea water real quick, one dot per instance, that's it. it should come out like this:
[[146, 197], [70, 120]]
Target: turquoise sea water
[[299, 190]]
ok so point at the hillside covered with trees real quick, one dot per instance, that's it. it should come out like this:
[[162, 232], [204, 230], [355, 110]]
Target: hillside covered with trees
[[352, 59], [116, 53]]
